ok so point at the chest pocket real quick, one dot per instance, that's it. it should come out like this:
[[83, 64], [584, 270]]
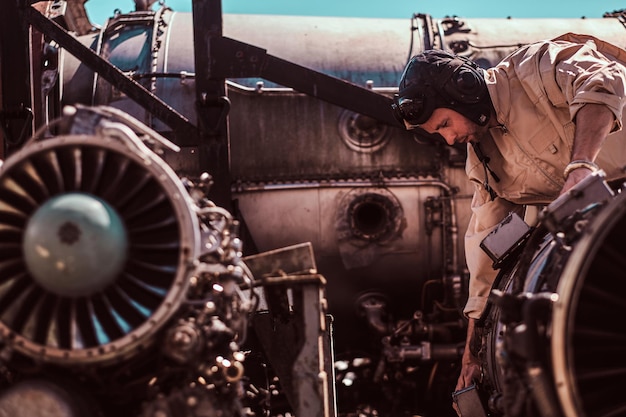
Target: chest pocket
[[552, 134]]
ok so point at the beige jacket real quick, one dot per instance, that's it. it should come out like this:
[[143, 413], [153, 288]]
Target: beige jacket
[[536, 92]]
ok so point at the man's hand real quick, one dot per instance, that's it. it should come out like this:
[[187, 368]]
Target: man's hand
[[574, 178], [470, 371], [470, 365]]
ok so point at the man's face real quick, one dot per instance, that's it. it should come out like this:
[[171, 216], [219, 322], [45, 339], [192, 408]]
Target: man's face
[[453, 126]]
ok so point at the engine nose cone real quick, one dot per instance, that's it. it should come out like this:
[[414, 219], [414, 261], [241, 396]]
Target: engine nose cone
[[75, 244]]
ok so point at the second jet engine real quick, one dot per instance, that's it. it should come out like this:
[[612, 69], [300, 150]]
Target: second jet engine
[[121, 282]]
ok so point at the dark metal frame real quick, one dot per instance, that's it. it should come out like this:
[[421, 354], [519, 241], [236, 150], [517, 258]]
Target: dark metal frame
[[216, 58]]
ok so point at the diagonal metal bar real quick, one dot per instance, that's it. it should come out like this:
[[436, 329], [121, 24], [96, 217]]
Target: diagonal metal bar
[[330, 89], [240, 60], [184, 131]]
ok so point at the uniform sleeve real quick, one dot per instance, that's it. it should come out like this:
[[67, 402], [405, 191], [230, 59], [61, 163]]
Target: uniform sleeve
[[575, 74], [486, 214]]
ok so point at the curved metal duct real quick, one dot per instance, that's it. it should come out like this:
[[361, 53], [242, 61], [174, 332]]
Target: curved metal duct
[[66, 298]]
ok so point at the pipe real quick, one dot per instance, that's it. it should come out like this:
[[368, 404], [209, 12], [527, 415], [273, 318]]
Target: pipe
[[542, 390]]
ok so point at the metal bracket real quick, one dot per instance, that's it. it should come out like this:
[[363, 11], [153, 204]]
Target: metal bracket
[[294, 331], [591, 192]]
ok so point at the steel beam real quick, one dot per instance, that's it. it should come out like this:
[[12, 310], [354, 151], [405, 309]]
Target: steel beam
[[212, 103], [241, 60]]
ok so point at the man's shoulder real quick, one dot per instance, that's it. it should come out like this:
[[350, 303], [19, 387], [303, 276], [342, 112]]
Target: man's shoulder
[[607, 48], [534, 51]]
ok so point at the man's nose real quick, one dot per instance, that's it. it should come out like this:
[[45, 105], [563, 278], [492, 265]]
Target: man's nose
[[450, 139]]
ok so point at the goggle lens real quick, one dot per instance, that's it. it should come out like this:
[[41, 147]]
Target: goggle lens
[[410, 110]]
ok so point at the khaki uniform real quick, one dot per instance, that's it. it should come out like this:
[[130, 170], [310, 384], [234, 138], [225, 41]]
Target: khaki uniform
[[536, 92]]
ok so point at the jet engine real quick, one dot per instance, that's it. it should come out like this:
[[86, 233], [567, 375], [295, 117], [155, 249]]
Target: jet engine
[[553, 334], [121, 282]]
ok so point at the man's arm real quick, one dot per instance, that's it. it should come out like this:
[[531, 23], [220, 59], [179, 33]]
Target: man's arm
[[471, 370], [593, 123]]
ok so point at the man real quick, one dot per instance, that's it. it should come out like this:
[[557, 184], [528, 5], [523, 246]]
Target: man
[[536, 124]]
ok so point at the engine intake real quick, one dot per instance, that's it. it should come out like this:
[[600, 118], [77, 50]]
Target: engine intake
[[98, 240]]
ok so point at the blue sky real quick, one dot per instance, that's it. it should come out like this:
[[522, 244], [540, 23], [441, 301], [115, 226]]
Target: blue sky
[[100, 10]]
